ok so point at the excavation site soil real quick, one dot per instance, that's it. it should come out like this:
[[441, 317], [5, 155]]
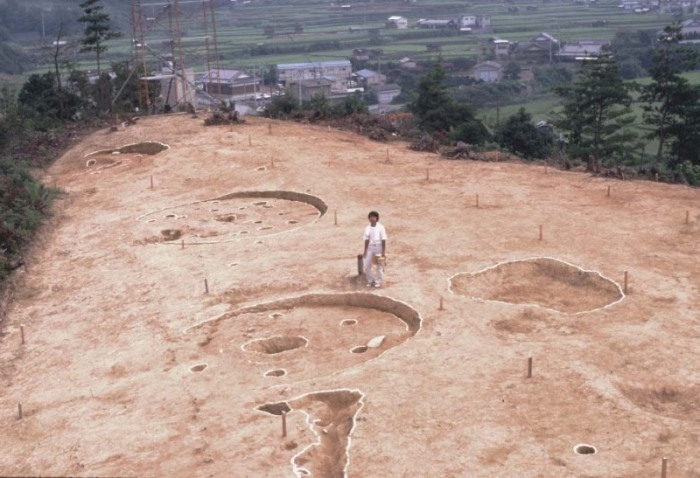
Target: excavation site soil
[[193, 309]]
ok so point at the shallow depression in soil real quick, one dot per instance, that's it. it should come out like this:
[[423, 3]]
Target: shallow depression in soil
[[146, 147], [199, 223], [543, 282], [677, 401], [302, 335]]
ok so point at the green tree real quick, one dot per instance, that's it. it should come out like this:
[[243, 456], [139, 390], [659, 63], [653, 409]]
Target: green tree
[[45, 103], [97, 29], [685, 133], [519, 136], [666, 94], [437, 112], [512, 71], [592, 106]]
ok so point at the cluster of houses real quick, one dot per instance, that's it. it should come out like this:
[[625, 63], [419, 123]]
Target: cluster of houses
[[465, 23], [661, 6], [333, 79], [336, 80]]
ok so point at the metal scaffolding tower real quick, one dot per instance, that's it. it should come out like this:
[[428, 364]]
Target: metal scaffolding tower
[[171, 40]]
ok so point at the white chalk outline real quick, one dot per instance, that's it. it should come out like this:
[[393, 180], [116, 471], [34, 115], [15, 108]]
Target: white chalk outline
[[238, 238], [105, 151], [282, 300], [512, 261], [206, 366], [306, 344], [283, 304], [275, 369], [595, 450], [298, 470]]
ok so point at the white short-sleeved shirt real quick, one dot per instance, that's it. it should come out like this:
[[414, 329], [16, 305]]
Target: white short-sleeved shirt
[[375, 235]]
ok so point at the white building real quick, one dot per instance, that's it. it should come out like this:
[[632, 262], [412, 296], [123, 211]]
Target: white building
[[398, 23]]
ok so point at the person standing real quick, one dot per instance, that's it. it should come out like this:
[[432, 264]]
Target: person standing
[[375, 250]]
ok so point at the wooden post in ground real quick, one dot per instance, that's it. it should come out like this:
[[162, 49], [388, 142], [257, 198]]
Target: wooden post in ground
[[284, 424], [151, 181], [441, 304], [250, 141], [541, 236], [664, 465], [608, 191], [625, 283], [687, 217], [21, 332], [529, 366], [335, 217], [19, 411], [206, 286], [477, 201]]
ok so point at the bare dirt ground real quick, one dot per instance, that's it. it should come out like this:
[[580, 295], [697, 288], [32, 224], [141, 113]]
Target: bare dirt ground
[[129, 368]]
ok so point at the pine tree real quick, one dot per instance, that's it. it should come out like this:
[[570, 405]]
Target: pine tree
[[667, 94], [97, 29], [592, 107]]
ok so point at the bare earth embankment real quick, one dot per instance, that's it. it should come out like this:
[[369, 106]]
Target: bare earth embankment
[[131, 368]]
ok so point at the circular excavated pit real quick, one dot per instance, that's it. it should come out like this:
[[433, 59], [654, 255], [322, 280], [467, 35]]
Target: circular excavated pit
[[542, 282], [275, 408], [276, 345], [147, 147], [348, 322], [226, 218], [171, 234], [225, 222], [276, 373], [311, 321], [584, 449], [198, 368]]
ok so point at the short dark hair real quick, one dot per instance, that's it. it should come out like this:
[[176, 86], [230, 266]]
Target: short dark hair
[[373, 213]]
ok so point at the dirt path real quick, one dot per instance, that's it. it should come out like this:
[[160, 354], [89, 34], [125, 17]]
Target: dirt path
[[131, 368]]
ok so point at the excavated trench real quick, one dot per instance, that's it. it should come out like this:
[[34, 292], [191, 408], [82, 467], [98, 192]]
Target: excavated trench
[[331, 416]]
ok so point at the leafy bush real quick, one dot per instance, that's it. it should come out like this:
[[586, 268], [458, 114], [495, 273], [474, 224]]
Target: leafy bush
[[691, 172]]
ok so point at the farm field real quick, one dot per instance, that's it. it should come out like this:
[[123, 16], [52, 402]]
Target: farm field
[[241, 29], [180, 304]]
